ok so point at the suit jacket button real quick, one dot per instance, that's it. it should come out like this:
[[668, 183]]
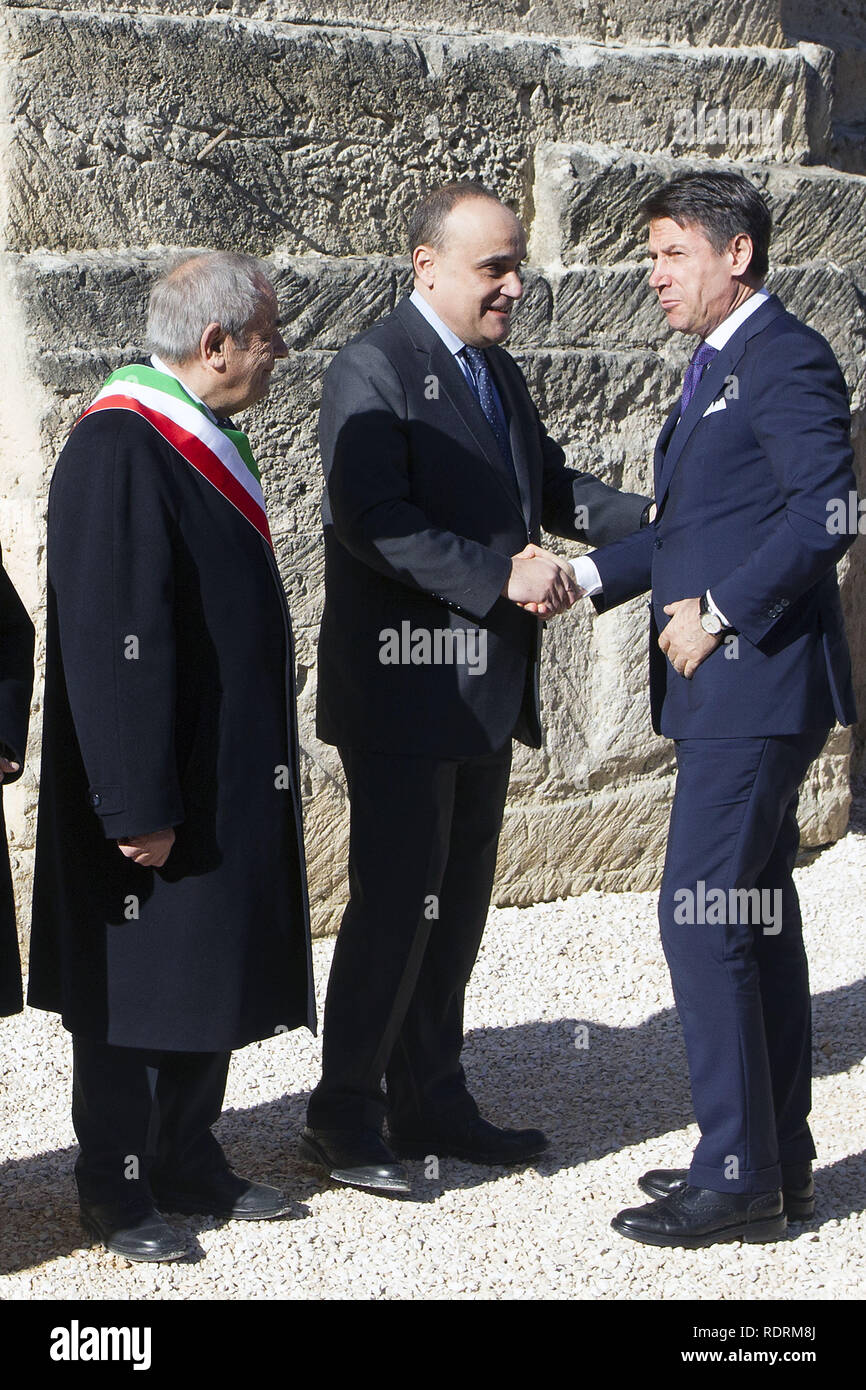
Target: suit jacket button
[[657, 543], [95, 799]]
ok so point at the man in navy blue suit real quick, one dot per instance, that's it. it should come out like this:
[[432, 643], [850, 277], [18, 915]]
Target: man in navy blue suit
[[749, 671]]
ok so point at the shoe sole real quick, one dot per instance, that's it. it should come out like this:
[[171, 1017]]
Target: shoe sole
[[796, 1208], [752, 1233], [92, 1230], [184, 1208], [309, 1153], [409, 1149]]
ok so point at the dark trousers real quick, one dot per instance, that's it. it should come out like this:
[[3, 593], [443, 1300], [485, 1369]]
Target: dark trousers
[[737, 963], [139, 1114], [422, 854]]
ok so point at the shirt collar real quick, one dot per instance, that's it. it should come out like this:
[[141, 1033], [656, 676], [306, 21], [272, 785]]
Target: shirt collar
[[728, 327], [449, 338], [160, 366]]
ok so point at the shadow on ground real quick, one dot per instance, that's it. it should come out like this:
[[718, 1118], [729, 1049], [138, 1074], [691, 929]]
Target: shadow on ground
[[624, 1086]]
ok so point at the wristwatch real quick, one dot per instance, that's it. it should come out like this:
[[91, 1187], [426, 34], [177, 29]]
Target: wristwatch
[[710, 621]]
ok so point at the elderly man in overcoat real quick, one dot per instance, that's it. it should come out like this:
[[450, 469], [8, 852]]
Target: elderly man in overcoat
[[171, 920], [16, 684]]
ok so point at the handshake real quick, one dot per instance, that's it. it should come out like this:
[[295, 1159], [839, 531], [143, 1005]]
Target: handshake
[[541, 583]]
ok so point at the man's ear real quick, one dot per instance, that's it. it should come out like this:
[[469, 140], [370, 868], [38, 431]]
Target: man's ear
[[212, 346], [741, 251], [424, 264]]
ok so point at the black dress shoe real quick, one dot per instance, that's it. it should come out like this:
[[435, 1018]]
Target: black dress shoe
[[798, 1187], [475, 1141], [358, 1158], [134, 1230], [220, 1193], [696, 1216]]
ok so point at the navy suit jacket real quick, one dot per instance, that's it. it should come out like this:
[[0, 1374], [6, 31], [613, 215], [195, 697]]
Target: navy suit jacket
[[421, 516], [743, 494]]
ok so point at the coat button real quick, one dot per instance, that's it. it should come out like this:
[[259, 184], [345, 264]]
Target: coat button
[[95, 799], [657, 543]]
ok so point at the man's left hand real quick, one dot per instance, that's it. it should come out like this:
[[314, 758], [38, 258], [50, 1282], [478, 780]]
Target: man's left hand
[[683, 641]]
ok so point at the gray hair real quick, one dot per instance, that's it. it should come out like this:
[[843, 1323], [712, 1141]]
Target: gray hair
[[221, 287]]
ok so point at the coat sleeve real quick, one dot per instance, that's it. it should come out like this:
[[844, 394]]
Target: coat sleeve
[[111, 560], [16, 674], [578, 505], [624, 568], [365, 456], [799, 414]]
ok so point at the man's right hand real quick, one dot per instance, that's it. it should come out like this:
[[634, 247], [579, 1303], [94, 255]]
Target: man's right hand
[[7, 767], [151, 850], [541, 583]]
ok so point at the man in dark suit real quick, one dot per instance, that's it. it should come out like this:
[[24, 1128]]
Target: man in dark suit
[[170, 917], [749, 670], [439, 476], [16, 686]]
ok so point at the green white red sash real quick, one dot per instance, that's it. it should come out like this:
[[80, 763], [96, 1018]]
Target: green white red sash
[[220, 455]]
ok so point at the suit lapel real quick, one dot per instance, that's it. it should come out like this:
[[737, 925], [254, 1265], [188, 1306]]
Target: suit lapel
[[708, 389], [662, 444], [518, 429], [441, 366]]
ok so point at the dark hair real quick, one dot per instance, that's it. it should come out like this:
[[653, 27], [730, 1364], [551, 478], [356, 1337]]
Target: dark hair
[[723, 204], [427, 223]]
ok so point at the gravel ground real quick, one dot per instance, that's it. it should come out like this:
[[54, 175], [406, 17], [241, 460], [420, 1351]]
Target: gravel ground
[[570, 1026]]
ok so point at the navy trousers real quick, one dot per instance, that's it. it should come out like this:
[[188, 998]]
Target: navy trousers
[[732, 935]]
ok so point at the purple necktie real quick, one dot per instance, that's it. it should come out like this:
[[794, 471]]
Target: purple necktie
[[694, 371]]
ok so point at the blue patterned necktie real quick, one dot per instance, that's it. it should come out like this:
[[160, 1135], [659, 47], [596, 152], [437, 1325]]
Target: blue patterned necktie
[[694, 371], [484, 388]]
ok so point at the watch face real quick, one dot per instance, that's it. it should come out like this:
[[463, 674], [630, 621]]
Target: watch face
[[711, 624]]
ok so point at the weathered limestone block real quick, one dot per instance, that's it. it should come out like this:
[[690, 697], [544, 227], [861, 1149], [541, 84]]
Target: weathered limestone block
[[825, 800], [722, 22], [331, 133], [586, 200], [583, 315], [305, 131]]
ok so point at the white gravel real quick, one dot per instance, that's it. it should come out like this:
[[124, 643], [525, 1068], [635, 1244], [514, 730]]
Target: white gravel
[[612, 1109]]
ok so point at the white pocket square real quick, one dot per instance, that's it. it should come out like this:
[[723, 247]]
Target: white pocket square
[[720, 404]]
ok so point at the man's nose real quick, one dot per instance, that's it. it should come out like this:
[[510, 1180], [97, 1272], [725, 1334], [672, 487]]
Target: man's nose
[[512, 286], [280, 349], [658, 276]]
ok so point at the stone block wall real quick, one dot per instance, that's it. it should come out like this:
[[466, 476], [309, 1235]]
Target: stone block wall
[[304, 133]]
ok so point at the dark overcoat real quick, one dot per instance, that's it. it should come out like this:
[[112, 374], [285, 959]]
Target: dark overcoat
[[16, 685], [169, 701]]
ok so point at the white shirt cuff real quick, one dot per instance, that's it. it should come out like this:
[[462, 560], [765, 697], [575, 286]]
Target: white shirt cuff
[[712, 607], [587, 575]]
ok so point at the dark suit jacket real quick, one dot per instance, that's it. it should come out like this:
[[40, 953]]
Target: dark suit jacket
[[744, 496], [16, 684], [421, 516]]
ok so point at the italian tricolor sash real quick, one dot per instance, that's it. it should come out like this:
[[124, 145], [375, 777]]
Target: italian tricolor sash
[[221, 455]]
